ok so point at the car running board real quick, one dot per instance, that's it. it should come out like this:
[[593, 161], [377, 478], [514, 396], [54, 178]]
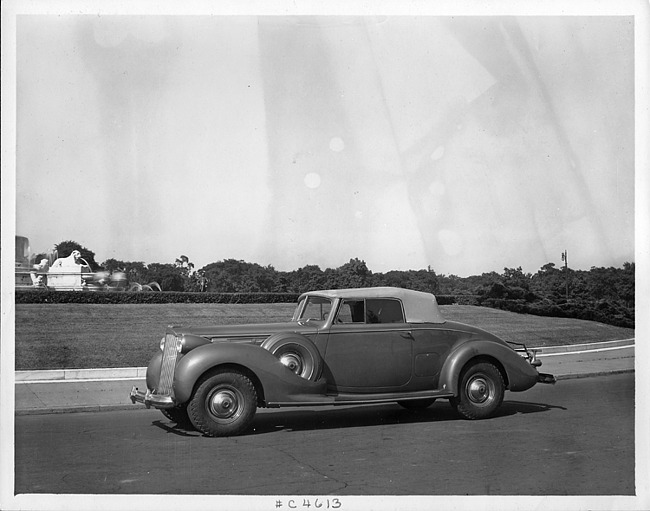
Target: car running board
[[357, 399]]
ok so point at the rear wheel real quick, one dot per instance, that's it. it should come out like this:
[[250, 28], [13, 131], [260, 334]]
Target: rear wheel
[[223, 403], [480, 391], [418, 404]]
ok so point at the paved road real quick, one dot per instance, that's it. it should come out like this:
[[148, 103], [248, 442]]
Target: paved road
[[574, 438]]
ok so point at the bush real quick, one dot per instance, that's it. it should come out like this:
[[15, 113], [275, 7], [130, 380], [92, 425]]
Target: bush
[[465, 300], [601, 310], [505, 304], [547, 308], [445, 299]]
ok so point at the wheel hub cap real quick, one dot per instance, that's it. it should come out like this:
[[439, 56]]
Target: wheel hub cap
[[478, 390], [224, 404], [292, 361]]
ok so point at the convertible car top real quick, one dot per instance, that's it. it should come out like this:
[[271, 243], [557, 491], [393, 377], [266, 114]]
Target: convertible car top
[[419, 307]]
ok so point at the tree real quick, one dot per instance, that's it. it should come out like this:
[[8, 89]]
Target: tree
[[135, 271], [627, 285], [167, 276], [393, 278], [307, 278], [515, 277], [420, 280], [354, 273], [549, 282], [233, 276], [114, 265]]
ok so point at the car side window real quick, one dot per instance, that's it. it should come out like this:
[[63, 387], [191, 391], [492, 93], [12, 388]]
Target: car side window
[[351, 311], [317, 308], [384, 310], [371, 311]]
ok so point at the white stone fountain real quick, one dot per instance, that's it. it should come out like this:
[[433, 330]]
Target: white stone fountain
[[69, 273]]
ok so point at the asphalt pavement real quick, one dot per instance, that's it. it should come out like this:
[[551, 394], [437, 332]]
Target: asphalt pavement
[[81, 390]]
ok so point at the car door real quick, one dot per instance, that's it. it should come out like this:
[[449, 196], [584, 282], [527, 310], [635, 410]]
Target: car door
[[431, 347], [369, 347]]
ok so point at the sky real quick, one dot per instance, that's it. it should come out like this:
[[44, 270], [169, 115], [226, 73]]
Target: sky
[[464, 144]]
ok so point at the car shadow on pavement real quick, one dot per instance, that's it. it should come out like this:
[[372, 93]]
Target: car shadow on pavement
[[297, 419], [515, 407], [176, 429], [377, 415]]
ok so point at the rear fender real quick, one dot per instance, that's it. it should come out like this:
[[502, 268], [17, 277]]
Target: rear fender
[[518, 374], [279, 384]]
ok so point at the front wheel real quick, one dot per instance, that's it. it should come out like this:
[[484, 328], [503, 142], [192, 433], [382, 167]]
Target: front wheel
[[480, 391], [223, 403]]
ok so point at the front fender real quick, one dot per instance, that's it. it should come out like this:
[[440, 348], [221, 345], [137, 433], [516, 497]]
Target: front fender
[[520, 375], [153, 370], [279, 384]]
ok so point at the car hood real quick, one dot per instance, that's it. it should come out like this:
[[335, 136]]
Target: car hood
[[244, 333]]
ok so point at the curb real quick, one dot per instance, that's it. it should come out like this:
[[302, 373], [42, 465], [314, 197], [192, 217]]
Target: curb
[[594, 346], [77, 409], [54, 375]]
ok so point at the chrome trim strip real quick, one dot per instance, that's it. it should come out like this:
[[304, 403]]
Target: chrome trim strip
[[170, 353]]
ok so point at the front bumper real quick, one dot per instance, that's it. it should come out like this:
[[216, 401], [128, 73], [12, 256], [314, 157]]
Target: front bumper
[[546, 378], [149, 399]]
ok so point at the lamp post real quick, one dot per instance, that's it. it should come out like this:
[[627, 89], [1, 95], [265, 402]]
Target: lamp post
[[566, 273]]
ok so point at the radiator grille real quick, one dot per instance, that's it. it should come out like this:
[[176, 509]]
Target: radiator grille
[[168, 364]]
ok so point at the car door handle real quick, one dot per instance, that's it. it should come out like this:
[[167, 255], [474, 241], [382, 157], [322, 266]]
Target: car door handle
[[407, 335]]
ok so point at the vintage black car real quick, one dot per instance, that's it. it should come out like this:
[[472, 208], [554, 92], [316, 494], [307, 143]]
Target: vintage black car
[[347, 346]]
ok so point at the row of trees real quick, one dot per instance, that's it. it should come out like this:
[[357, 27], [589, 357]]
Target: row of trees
[[614, 284], [606, 289], [600, 294]]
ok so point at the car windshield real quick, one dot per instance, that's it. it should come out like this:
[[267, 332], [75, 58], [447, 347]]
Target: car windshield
[[313, 308]]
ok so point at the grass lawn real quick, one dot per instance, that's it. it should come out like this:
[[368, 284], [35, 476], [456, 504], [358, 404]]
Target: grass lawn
[[76, 336]]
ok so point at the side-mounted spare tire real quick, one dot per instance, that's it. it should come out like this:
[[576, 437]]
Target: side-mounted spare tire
[[297, 353]]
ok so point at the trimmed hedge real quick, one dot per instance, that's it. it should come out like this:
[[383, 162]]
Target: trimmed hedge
[[599, 310], [125, 297]]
